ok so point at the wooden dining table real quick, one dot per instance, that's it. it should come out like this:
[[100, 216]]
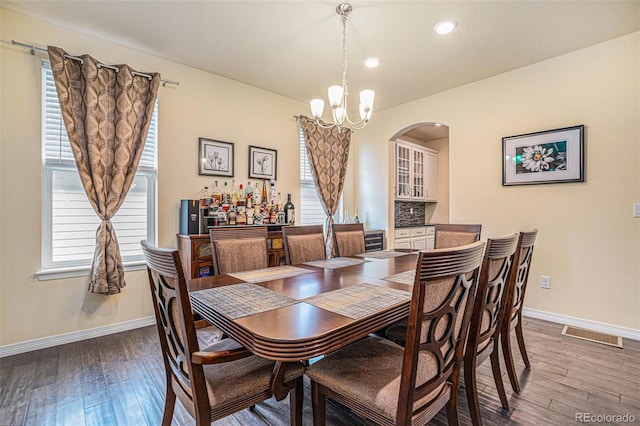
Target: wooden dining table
[[298, 312]]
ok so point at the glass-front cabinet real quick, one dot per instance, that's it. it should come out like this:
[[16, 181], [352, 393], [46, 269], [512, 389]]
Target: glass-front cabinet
[[415, 172]]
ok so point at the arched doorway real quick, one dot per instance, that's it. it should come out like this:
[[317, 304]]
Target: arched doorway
[[403, 210]]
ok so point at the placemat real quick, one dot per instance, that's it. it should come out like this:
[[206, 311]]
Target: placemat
[[240, 300], [335, 263], [359, 300], [383, 254], [268, 274], [403, 277]]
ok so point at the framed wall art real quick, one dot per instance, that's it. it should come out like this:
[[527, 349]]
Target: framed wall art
[[215, 158], [551, 156], [263, 163]]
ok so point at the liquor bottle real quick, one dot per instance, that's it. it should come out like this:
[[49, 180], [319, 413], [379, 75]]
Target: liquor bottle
[[263, 196], [289, 211], [234, 193], [356, 219], [217, 193], [226, 195], [345, 218], [232, 215], [222, 216], [241, 218], [241, 202], [248, 191], [250, 216], [204, 195], [272, 192], [273, 215]]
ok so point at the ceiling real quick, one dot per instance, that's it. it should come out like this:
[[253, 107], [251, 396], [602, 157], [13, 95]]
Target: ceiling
[[294, 47]]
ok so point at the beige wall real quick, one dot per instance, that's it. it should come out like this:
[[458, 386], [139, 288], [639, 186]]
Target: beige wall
[[588, 241], [203, 105]]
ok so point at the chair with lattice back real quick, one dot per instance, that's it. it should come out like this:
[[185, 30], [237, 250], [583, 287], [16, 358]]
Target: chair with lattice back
[[216, 381], [392, 385], [515, 302], [488, 310]]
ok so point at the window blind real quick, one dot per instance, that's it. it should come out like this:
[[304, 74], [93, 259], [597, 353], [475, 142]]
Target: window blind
[[311, 212]]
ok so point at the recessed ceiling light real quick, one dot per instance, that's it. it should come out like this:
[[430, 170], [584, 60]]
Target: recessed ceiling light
[[371, 62], [445, 27]]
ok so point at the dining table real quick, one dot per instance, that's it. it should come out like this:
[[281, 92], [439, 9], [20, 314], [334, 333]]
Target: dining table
[[298, 312]]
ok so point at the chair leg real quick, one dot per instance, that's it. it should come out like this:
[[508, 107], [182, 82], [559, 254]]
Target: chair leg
[[505, 338], [319, 405], [471, 389], [296, 396], [169, 406], [452, 408], [497, 377], [523, 350]]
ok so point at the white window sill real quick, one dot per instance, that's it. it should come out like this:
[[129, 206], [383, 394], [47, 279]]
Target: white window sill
[[82, 271]]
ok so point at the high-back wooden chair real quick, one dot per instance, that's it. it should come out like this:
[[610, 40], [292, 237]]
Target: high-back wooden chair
[[392, 385], [515, 302], [454, 235], [348, 238], [303, 243], [238, 249], [488, 310], [218, 380]]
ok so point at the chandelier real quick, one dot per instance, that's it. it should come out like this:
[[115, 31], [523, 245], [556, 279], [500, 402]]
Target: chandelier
[[338, 94]]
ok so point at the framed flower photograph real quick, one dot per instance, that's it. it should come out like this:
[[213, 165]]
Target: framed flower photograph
[[215, 158], [263, 163], [551, 156]]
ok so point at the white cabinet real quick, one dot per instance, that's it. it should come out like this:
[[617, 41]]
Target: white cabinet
[[417, 238], [431, 237], [416, 172]]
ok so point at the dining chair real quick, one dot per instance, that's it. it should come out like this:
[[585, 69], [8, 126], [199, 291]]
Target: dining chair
[[238, 249], [453, 235], [348, 238], [484, 329], [303, 243], [446, 236], [216, 381], [515, 302], [392, 385]]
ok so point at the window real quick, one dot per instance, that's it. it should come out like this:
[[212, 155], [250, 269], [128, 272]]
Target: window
[[311, 212], [69, 223]]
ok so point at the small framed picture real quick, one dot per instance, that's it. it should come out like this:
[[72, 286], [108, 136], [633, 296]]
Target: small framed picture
[[551, 156], [215, 158], [263, 163]]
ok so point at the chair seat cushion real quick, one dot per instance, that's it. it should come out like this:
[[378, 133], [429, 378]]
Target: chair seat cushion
[[368, 372], [241, 379]]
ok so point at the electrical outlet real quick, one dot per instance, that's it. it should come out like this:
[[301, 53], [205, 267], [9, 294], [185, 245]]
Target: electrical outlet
[[410, 210], [636, 209], [545, 281]]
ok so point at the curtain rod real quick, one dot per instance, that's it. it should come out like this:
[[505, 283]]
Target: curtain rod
[[75, 58]]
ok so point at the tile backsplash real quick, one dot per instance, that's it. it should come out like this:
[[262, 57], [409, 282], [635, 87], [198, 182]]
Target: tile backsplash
[[409, 213]]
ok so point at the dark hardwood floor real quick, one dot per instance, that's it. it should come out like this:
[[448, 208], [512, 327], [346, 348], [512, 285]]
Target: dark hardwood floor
[[119, 380]]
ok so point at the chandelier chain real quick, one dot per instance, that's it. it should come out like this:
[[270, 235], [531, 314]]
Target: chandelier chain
[[344, 52]]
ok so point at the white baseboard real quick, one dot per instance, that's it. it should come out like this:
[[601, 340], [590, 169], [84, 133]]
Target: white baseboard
[[628, 333], [75, 336]]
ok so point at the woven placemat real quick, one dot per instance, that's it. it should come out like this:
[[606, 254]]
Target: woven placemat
[[403, 277], [240, 300], [335, 263], [359, 300], [268, 274], [382, 254]]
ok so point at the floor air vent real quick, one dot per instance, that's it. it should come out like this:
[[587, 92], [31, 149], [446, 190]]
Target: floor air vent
[[593, 336]]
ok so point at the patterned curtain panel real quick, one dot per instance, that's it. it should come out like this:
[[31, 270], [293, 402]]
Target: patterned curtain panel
[[328, 152], [107, 116]]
